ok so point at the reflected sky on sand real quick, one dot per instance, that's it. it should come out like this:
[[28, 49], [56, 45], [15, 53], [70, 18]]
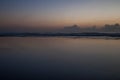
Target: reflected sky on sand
[[59, 58]]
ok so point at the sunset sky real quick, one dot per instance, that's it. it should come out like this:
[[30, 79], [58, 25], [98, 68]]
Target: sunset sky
[[58, 13]]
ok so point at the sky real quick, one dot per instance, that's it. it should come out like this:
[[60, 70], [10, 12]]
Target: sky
[[34, 14]]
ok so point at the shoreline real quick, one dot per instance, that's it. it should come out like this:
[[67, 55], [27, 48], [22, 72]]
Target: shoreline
[[59, 34]]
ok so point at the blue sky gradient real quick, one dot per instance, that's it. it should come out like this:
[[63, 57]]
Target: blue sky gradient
[[59, 13]]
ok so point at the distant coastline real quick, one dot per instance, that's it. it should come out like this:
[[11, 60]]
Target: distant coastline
[[90, 34]]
